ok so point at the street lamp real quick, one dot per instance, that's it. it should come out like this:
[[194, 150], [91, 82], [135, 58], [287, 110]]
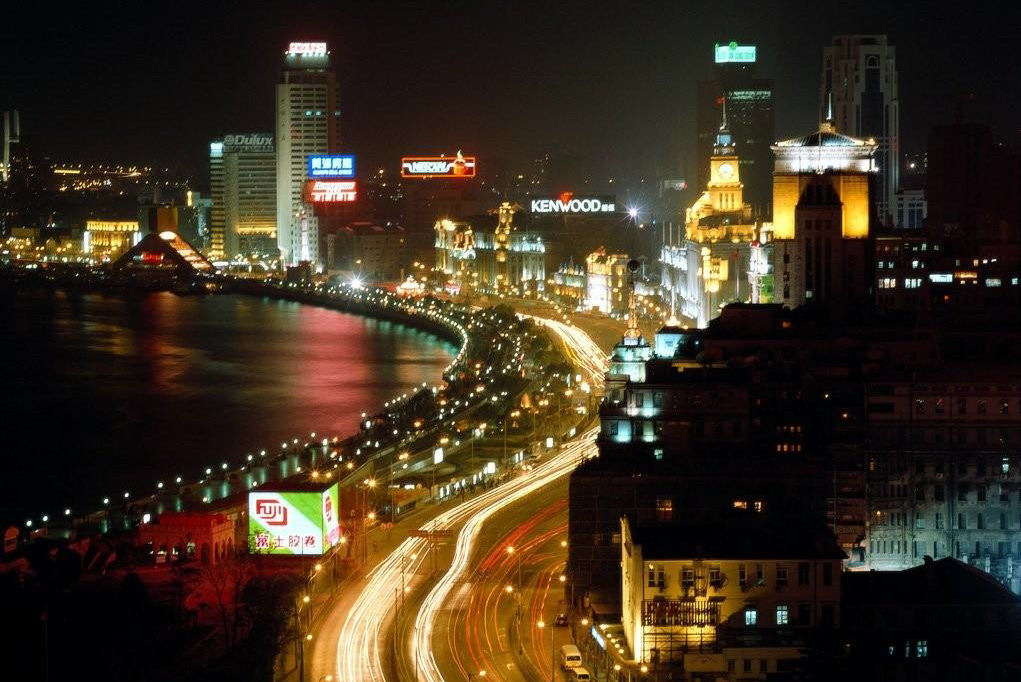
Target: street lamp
[[552, 652], [506, 421], [514, 553]]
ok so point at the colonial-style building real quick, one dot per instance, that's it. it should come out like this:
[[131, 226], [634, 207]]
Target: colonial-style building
[[741, 596]]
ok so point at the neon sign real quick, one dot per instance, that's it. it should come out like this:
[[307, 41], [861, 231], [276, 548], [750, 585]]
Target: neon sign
[[331, 166], [332, 191], [438, 166], [307, 49], [734, 53], [568, 203]]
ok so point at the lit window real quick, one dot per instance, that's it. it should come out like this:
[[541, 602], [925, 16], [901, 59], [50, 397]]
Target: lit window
[[740, 504], [751, 617], [782, 614], [922, 648]]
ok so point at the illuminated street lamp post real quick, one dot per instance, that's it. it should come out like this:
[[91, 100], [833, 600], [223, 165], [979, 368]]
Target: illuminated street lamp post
[[515, 554], [552, 652], [506, 421], [476, 433]]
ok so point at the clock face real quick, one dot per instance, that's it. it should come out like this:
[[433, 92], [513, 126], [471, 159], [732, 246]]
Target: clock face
[[726, 171]]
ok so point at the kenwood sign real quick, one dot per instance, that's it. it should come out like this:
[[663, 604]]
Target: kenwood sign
[[571, 204]]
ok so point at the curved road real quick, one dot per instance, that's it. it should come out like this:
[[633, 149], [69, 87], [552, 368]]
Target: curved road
[[362, 620]]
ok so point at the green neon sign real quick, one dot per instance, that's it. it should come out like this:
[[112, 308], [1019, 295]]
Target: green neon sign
[[734, 53]]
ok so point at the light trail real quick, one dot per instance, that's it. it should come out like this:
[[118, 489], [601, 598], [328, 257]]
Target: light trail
[[557, 466], [360, 645]]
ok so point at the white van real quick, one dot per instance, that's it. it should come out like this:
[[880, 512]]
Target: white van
[[579, 674], [570, 657]]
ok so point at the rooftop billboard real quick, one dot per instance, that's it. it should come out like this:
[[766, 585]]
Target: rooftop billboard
[[303, 523]]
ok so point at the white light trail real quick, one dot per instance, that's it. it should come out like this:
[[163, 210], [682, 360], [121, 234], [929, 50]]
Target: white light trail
[[360, 644]]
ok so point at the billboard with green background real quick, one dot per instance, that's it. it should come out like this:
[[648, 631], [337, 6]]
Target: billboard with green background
[[293, 523]]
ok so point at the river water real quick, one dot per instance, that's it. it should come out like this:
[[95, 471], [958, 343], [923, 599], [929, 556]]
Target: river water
[[106, 393]]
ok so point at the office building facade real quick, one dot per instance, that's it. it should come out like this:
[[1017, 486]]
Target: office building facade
[[307, 122], [242, 173]]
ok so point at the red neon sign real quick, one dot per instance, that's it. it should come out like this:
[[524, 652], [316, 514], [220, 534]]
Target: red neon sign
[[438, 166], [332, 191]]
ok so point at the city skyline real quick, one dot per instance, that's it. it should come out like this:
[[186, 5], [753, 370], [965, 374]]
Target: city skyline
[[507, 93]]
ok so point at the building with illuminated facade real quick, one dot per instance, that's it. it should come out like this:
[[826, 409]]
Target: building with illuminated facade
[[307, 122], [738, 597], [750, 111], [243, 178], [568, 285], [712, 264], [822, 218], [493, 258], [606, 282], [858, 94], [105, 240]]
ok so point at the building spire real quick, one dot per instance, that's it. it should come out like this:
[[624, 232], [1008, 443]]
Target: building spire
[[632, 331], [724, 143]]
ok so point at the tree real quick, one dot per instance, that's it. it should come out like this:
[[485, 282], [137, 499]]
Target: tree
[[221, 586]]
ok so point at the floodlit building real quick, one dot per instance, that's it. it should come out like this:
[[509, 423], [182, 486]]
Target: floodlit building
[[242, 170], [107, 239], [858, 94], [712, 265], [307, 122], [739, 597], [606, 282], [822, 218], [750, 111], [493, 259]]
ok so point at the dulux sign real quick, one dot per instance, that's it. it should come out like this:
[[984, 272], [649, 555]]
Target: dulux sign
[[567, 203], [249, 143]]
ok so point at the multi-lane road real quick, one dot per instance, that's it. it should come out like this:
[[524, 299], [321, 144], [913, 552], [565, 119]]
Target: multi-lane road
[[356, 640]]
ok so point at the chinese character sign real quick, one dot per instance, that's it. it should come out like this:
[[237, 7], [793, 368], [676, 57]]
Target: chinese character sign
[[292, 522], [331, 166]]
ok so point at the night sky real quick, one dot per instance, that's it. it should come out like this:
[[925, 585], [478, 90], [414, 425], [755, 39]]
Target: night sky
[[607, 80]]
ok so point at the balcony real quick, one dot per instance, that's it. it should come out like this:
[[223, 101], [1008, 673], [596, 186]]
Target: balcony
[[680, 612]]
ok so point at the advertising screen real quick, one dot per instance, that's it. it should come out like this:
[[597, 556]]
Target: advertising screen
[[331, 166], [293, 523], [438, 166], [332, 191]]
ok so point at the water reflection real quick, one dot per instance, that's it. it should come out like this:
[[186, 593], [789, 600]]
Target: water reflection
[[107, 393]]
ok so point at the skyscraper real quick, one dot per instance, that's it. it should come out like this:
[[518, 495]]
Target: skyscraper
[[750, 116], [11, 134], [858, 93], [308, 122], [242, 174]]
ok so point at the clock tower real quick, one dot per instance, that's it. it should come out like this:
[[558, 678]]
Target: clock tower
[[725, 188]]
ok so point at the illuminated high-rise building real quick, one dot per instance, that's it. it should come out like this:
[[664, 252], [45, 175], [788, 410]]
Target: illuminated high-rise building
[[750, 116], [243, 180], [822, 218], [858, 93], [11, 134], [308, 122]]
